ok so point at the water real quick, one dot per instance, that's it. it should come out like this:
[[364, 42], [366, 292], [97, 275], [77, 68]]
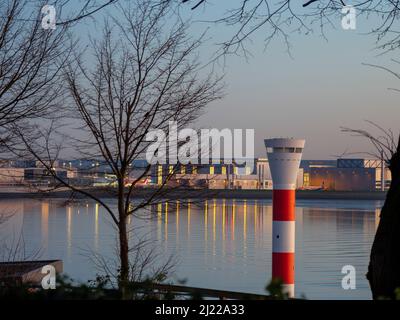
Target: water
[[220, 244]]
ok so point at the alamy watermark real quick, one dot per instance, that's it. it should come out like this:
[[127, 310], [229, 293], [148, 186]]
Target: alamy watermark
[[205, 146], [49, 279], [349, 280], [349, 18], [49, 18]]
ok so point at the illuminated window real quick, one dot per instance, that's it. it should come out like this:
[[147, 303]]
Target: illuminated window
[[183, 170], [212, 170], [194, 170], [306, 180], [223, 170], [235, 170], [171, 169], [159, 175]]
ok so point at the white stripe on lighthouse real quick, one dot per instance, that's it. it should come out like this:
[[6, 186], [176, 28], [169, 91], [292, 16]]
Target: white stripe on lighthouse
[[284, 186], [283, 236], [288, 289]]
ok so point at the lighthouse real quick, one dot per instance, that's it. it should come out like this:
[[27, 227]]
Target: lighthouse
[[284, 156]]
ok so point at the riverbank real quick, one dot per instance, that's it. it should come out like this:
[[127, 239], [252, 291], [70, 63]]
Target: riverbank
[[176, 194]]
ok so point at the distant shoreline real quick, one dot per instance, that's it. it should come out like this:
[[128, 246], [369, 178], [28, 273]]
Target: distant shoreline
[[204, 194]]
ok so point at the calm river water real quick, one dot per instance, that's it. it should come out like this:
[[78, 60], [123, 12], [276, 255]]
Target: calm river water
[[221, 244]]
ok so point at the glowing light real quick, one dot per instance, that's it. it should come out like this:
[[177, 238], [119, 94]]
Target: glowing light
[[377, 217], [159, 220], [166, 224], [214, 222], [69, 223], [45, 222], [224, 170], [96, 225], [159, 175], [188, 220], [223, 220], [177, 221], [244, 222], [255, 218], [206, 221], [233, 222]]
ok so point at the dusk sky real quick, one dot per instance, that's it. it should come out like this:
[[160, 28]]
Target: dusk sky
[[322, 86], [311, 96]]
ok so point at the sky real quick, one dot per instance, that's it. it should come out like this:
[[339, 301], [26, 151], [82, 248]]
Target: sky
[[311, 93]]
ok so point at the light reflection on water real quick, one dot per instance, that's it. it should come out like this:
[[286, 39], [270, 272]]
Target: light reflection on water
[[221, 244]]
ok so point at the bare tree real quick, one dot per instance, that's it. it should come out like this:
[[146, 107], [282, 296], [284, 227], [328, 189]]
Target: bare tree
[[384, 266], [280, 19], [81, 9], [144, 72], [31, 57]]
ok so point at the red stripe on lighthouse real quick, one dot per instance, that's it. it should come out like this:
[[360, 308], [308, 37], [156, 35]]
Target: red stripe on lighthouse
[[283, 205], [283, 256], [283, 266]]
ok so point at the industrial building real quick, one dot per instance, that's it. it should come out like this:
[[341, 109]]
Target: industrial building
[[335, 175], [29, 176], [218, 176], [346, 175]]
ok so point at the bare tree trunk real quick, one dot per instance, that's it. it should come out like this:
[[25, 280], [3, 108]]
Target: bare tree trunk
[[123, 241], [124, 257], [384, 266]]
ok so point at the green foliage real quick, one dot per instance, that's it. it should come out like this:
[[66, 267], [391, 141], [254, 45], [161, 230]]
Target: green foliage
[[397, 293], [275, 289], [100, 288], [396, 296], [65, 289]]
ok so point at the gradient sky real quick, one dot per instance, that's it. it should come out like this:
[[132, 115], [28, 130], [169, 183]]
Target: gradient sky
[[310, 94]]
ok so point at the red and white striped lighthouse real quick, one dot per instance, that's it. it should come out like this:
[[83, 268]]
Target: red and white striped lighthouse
[[284, 156]]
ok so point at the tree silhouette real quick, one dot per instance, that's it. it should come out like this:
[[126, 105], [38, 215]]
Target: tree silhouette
[[384, 265], [144, 73]]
